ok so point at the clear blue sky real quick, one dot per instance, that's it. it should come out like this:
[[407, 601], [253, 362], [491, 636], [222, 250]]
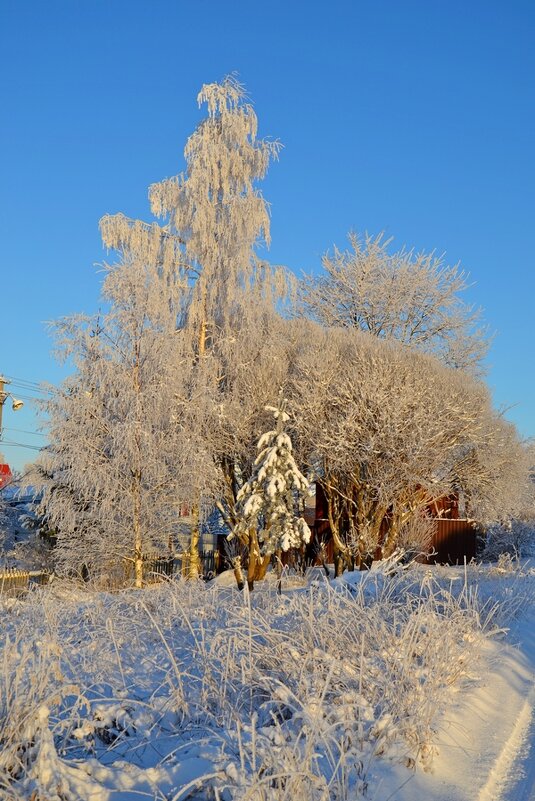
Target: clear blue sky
[[415, 117]]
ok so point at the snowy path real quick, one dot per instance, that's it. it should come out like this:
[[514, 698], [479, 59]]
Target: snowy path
[[503, 723], [512, 777], [487, 739], [500, 727], [524, 788]]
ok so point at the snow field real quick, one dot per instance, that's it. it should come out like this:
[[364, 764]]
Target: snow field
[[194, 691]]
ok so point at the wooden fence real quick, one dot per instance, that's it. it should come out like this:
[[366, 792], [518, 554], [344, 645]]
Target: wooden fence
[[157, 567], [210, 562], [14, 581]]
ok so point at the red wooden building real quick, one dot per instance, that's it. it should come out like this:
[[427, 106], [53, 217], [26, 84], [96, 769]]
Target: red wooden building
[[454, 540]]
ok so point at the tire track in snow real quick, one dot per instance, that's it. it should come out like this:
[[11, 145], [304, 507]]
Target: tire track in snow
[[514, 768]]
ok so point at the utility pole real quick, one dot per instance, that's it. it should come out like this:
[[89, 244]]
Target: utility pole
[[3, 398], [17, 404]]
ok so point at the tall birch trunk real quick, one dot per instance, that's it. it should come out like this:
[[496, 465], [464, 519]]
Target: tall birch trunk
[[136, 484], [194, 561], [194, 564], [136, 526]]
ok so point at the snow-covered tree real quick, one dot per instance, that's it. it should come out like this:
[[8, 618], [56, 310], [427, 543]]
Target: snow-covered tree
[[494, 472], [268, 503], [414, 298], [389, 430], [252, 361], [172, 383], [116, 460], [215, 218]]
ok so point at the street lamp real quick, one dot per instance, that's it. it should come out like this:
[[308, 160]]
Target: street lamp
[[16, 402]]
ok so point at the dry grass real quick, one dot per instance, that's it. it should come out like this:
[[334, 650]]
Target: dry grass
[[295, 696]]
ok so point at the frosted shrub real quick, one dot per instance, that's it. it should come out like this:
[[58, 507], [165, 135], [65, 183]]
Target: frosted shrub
[[514, 538], [416, 536], [31, 682]]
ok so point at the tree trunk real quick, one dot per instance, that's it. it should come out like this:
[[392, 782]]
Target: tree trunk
[[254, 556], [138, 568], [202, 337], [262, 567], [338, 563], [136, 525], [258, 564], [136, 481], [238, 573], [370, 518], [340, 548], [194, 561]]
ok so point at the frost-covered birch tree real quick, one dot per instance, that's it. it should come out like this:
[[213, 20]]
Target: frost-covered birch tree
[[414, 298], [114, 459], [268, 503], [214, 219]]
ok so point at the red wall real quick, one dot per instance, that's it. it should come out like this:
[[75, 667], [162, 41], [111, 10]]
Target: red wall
[[5, 474]]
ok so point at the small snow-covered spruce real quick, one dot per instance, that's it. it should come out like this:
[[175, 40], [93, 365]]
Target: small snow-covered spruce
[[267, 503]]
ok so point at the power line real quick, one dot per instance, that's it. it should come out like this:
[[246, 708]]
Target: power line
[[19, 445], [22, 396], [23, 431], [38, 392], [23, 381], [29, 386]]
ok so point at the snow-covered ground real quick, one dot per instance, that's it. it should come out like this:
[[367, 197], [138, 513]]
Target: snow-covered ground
[[417, 687], [486, 738]]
